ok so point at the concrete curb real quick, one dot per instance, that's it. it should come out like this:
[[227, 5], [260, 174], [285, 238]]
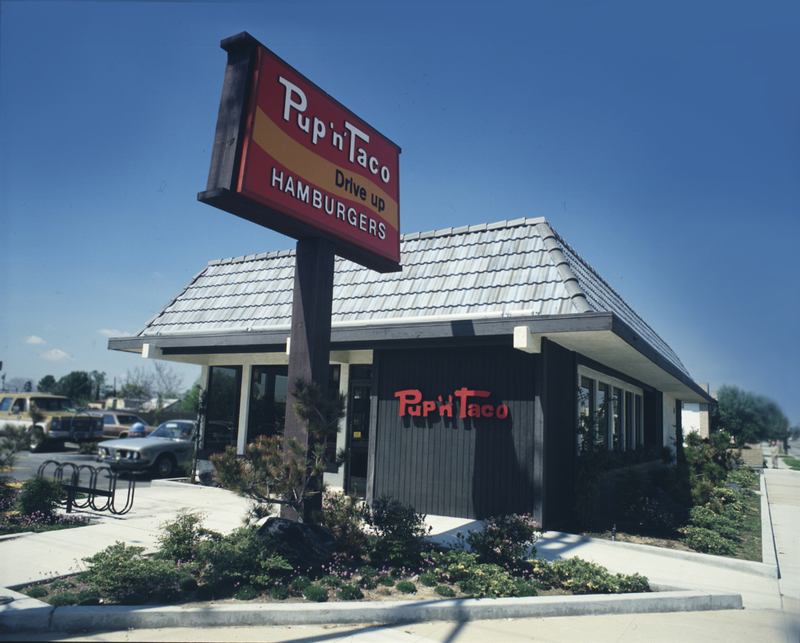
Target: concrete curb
[[769, 553], [23, 616]]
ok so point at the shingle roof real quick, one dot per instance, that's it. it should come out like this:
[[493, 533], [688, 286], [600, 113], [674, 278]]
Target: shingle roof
[[505, 268]]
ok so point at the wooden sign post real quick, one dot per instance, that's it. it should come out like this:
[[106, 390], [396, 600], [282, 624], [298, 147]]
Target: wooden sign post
[[289, 157]]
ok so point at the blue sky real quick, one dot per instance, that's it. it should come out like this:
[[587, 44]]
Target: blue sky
[[661, 140]]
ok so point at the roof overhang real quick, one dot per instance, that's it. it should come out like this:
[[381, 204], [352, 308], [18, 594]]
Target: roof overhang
[[601, 337]]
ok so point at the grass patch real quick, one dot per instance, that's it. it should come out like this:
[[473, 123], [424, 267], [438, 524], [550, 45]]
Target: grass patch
[[792, 462]]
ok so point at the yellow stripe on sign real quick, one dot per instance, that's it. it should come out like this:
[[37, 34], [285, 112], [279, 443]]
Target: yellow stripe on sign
[[313, 168]]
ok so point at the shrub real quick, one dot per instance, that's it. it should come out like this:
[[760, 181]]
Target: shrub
[[37, 592], [487, 579], [122, 574], [707, 541], [180, 538], [331, 581], [745, 477], [369, 582], [406, 587], [279, 592], [442, 590], [299, 584], [350, 593], [88, 448], [452, 566], [400, 531], [583, 577], [342, 516], [385, 580], [62, 599], [243, 557], [428, 579], [315, 594], [723, 524], [504, 541], [40, 496], [525, 588], [245, 593], [650, 516]]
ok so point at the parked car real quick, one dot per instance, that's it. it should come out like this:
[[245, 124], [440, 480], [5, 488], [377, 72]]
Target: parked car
[[61, 421], [162, 452], [117, 424], [167, 449]]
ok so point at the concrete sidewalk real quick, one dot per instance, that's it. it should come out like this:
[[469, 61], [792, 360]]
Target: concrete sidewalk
[[772, 587]]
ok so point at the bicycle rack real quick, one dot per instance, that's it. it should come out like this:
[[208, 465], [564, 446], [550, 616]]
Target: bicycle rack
[[73, 487]]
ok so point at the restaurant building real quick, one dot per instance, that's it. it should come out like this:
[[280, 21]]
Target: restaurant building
[[466, 374]]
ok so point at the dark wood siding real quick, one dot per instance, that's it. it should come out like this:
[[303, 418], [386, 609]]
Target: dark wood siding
[[466, 467], [557, 394]]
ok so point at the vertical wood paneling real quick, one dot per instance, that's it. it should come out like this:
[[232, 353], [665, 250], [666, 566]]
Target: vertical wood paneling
[[559, 424], [471, 467]]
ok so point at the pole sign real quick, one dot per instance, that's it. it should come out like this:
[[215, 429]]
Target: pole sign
[[289, 157]]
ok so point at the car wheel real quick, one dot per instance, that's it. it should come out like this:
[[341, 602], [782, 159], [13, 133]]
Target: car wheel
[[164, 466], [38, 439]]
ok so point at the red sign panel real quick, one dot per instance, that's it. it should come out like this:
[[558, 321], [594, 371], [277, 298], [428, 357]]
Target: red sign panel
[[308, 157]]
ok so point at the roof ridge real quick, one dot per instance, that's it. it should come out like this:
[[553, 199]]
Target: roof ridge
[[551, 242], [600, 278], [467, 229]]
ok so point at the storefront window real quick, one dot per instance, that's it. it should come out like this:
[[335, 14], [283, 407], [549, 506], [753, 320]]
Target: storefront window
[[222, 420], [629, 435], [603, 414], [617, 421], [586, 419], [611, 410], [269, 388], [268, 391]]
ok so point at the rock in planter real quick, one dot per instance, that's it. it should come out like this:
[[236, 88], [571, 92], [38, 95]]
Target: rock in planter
[[312, 544]]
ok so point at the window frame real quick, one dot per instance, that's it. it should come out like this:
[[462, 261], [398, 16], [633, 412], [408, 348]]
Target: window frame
[[624, 423]]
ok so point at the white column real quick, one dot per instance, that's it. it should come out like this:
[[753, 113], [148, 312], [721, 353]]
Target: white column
[[244, 407]]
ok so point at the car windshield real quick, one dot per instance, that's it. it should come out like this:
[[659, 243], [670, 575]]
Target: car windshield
[[173, 431], [53, 404]]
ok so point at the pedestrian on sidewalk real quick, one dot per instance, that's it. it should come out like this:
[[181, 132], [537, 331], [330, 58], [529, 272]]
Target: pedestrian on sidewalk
[[773, 452]]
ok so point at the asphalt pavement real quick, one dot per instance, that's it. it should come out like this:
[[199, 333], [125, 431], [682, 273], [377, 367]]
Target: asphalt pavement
[[712, 598]]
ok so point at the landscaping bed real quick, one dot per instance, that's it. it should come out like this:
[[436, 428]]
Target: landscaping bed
[[31, 507], [392, 560], [708, 503]]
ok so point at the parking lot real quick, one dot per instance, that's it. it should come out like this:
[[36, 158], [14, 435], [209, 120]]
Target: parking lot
[[27, 464]]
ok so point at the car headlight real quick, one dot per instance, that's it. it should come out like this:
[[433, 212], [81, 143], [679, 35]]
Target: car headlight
[[103, 451]]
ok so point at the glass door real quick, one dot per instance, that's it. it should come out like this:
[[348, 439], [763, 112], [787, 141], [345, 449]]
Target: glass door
[[358, 435]]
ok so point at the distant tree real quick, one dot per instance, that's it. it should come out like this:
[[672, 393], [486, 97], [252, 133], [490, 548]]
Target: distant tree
[[191, 400], [28, 386], [47, 384], [98, 384], [77, 386], [166, 382], [138, 384], [16, 384], [749, 417]]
